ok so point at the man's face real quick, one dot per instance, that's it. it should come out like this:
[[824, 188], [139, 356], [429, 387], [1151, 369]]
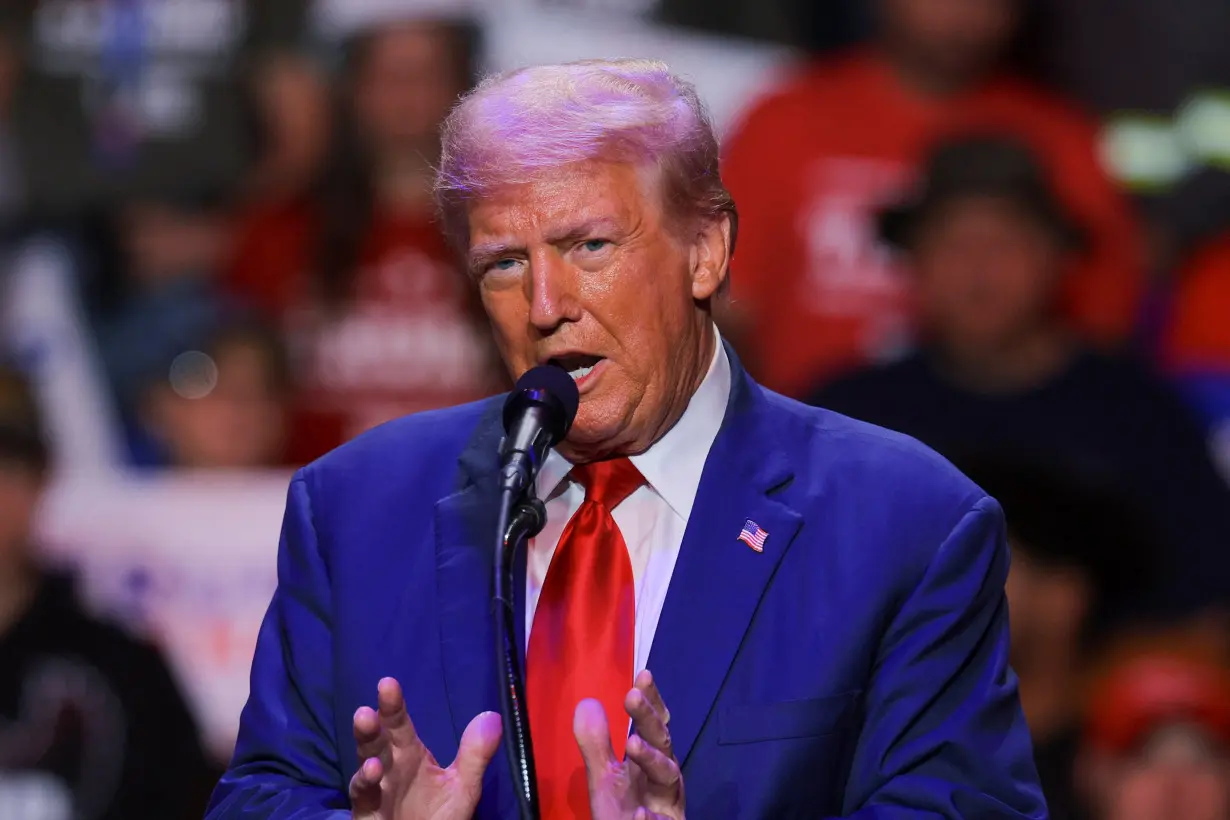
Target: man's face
[[238, 424], [953, 39], [582, 270], [405, 85], [1048, 606], [985, 272], [1178, 776]]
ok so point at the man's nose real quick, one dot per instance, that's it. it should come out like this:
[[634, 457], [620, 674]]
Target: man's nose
[[552, 291]]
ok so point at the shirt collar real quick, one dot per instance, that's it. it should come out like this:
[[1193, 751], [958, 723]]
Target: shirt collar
[[672, 466]]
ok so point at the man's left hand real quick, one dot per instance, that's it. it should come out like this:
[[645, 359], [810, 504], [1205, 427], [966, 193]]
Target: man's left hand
[[647, 784]]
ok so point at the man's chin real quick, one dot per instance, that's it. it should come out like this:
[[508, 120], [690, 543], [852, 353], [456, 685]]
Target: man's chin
[[589, 438]]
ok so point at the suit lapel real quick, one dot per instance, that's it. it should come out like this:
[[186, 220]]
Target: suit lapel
[[718, 580], [465, 535]]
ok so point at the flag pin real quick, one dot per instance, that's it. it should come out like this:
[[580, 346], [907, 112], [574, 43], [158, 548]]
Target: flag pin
[[753, 535]]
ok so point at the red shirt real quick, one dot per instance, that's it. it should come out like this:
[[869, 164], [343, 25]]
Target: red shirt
[[811, 163], [1198, 333], [410, 339]]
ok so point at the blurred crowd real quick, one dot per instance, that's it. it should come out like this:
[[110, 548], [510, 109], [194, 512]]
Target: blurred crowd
[[1000, 226]]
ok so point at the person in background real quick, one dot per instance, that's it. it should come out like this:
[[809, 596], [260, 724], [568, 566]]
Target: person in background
[[816, 292], [171, 245], [1001, 372], [45, 330], [92, 723], [1156, 744], [1078, 552], [290, 101], [121, 89], [12, 183], [1158, 76], [1194, 349], [220, 404], [380, 320]]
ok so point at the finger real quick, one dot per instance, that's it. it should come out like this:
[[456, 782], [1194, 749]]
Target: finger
[[478, 745], [659, 769], [393, 715], [369, 740], [648, 722], [649, 687], [365, 786], [593, 734]]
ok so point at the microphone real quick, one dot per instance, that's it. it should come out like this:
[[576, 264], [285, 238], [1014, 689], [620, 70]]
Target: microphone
[[537, 416]]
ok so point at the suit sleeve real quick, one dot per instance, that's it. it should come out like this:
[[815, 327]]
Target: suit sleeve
[[286, 757], [944, 735]]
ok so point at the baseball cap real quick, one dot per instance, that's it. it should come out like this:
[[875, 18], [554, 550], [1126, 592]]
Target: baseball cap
[[1155, 688], [979, 164]]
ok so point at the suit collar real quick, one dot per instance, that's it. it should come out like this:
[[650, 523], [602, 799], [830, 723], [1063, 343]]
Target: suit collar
[[674, 464], [480, 460], [718, 581]]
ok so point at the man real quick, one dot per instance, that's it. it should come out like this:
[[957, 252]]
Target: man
[[87, 714], [1077, 553], [1001, 373], [816, 291], [220, 404], [801, 615], [1156, 744]]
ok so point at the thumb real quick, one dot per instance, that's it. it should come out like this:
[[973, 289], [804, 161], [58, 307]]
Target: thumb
[[593, 734], [478, 745]]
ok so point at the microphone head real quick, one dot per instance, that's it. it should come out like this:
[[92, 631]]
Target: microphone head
[[547, 386]]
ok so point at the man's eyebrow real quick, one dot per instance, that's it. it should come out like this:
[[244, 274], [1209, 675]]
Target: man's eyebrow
[[488, 250], [600, 225]]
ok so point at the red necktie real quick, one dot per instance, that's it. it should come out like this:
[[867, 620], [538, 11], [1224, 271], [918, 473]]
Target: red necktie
[[582, 638]]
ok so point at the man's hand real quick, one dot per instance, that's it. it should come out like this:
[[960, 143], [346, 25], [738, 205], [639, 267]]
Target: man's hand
[[648, 784], [399, 779]]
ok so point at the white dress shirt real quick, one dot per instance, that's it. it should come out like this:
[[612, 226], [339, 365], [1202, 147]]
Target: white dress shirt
[[652, 519]]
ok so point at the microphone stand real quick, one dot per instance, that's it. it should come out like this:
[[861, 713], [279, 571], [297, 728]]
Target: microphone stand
[[517, 522]]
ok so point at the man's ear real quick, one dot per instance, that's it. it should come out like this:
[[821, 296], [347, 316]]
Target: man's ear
[[710, 257]]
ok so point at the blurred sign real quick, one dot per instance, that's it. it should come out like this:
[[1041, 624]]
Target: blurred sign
[[728, 72], [189, 561]]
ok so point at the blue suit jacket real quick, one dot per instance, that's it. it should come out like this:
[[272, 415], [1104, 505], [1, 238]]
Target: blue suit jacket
[[857, 667]]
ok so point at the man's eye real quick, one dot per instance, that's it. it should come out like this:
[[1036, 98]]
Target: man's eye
[[595, 245], [504, 264]]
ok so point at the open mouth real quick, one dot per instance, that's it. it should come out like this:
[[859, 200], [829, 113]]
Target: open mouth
[[578, 365]]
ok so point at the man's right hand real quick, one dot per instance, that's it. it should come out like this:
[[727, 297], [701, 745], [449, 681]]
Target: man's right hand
[[399, 779]]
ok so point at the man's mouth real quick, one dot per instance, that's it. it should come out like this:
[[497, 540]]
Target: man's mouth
[[578, 365]]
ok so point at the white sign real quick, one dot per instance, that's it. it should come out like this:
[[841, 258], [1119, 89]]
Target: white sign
[[189, 561]]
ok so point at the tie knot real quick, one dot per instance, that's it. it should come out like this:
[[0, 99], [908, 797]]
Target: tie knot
[[608, 482]]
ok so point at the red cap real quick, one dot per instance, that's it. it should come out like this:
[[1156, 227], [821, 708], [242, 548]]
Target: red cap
[[1153, 689]]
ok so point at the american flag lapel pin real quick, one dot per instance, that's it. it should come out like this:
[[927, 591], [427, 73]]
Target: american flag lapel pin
[[753, 535]]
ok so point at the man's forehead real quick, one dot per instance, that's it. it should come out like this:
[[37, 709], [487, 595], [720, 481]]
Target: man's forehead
[[560, 204]]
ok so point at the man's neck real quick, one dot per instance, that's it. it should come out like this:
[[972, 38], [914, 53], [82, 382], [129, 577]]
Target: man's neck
[[1015, 365]]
